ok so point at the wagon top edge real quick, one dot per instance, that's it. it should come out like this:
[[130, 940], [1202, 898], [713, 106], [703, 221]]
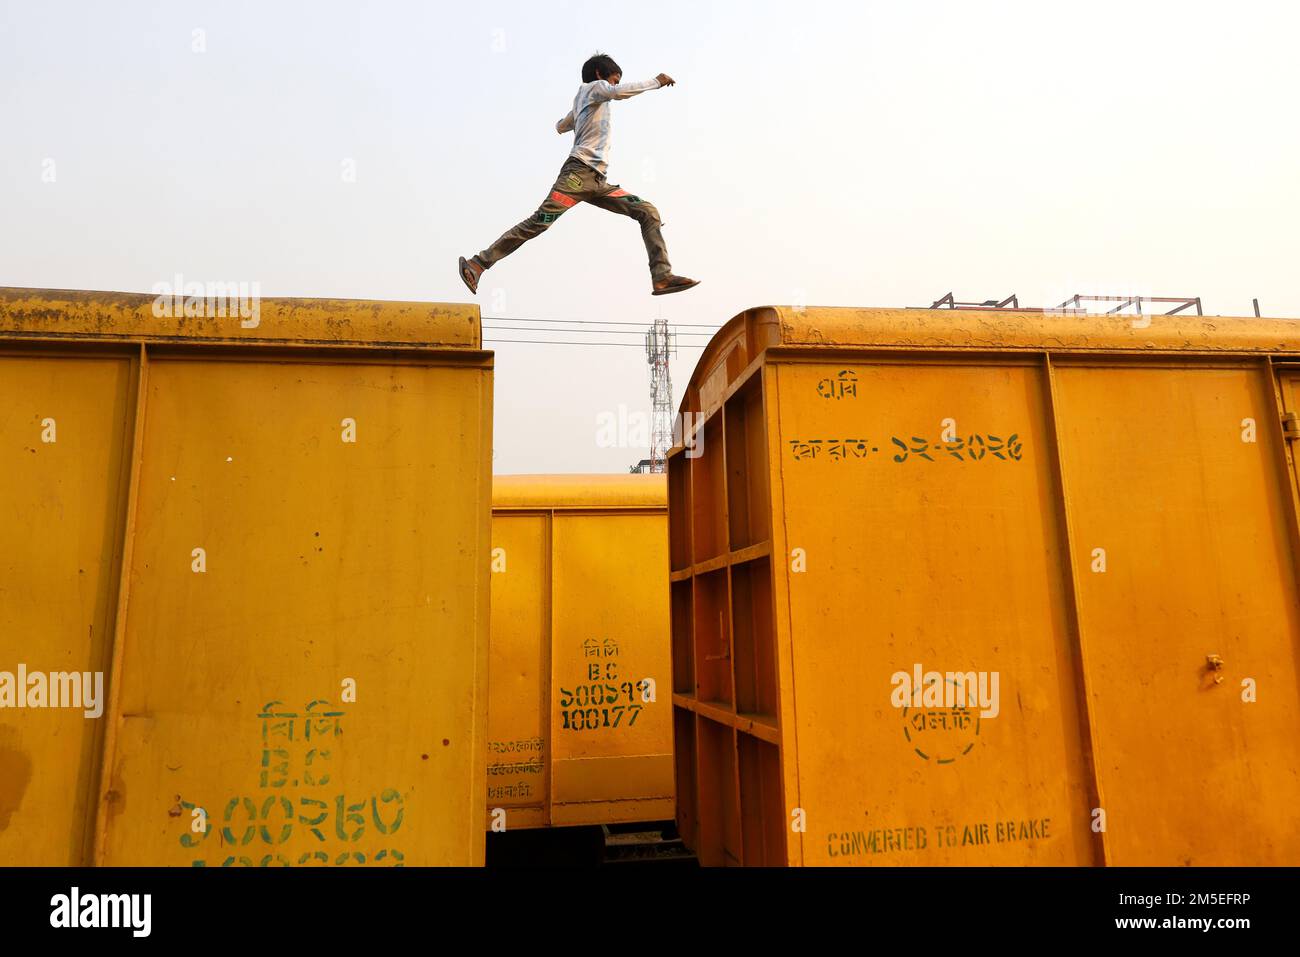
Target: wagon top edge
[[234, 313], [849, 328], [579, 491]]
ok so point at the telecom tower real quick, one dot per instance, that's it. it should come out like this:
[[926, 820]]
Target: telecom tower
[[660, 343]]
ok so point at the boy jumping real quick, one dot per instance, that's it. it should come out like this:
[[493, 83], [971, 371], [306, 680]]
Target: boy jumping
[[582, 179]]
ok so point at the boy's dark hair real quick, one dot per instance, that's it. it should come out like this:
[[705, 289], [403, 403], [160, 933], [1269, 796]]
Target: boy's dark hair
[[599, 67]]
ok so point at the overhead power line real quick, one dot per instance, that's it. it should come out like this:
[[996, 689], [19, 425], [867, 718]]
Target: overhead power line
[[584, 328], [560, 342], [602, 322], [585, 332]]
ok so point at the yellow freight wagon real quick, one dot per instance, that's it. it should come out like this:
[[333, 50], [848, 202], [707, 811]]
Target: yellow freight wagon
[[243, 580], [988, 588], [579, 723]]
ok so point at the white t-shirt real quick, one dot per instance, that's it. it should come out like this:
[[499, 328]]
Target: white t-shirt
[[590, 118]]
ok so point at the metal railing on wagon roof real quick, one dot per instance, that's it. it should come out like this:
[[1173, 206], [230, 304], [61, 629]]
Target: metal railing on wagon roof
[[1072, 306]]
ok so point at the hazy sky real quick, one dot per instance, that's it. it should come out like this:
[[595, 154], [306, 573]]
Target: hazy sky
[[865, 154]]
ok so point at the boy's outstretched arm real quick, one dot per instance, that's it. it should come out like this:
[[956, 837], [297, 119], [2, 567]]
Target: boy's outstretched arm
[[566, 124], [621, 91]]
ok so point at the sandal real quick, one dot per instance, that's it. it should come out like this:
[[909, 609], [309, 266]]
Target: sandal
[[469, 275], [673, 284]]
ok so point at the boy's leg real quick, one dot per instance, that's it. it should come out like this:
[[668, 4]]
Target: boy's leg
[[618, 200], [570, 188], [550, 210]]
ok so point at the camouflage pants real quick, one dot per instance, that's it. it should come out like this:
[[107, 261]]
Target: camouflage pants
[[579, 183]]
